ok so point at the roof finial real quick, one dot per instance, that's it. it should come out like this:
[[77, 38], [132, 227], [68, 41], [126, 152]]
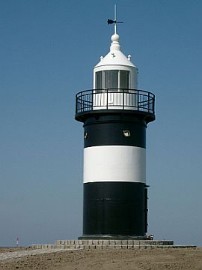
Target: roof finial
[[109, 21]]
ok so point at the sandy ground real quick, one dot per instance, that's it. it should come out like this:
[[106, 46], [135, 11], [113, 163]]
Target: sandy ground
[[144, 259]]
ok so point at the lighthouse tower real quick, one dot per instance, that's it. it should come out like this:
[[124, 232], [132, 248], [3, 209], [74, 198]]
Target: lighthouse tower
[[115, 115]]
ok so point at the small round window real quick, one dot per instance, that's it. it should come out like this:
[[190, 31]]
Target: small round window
[[126, 133]]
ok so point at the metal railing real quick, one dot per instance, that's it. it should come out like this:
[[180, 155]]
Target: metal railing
[[115, 99]]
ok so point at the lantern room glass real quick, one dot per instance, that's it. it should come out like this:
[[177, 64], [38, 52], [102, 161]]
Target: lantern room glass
[[112, 79]]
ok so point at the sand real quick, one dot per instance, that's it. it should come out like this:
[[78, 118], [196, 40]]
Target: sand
[[144, 259]]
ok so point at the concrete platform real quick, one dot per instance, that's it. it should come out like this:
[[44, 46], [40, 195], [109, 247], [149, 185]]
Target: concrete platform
[[111, 244]]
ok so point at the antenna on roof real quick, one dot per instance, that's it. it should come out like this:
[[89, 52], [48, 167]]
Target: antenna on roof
[[109, 21]]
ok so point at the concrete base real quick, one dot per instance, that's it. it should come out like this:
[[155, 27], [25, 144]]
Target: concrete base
[[114, 242], [111, 244]]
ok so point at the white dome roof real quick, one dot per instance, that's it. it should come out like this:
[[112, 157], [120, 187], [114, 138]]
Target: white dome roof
[[115, 56]]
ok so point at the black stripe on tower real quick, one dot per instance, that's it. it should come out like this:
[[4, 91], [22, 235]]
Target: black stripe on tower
[[115, 130], [114, 209]]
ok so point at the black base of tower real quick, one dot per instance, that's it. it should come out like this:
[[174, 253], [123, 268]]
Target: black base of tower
[[115, 210]]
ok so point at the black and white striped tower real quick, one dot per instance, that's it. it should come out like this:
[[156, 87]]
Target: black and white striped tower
[[115, 116]]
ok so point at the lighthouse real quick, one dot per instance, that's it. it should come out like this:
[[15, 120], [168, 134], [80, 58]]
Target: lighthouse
[[115, 116]]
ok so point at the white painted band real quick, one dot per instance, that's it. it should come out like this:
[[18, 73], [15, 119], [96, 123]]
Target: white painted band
[[114, 163]]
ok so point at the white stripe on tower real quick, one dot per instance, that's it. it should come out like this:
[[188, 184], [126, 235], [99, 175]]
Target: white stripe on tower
[[115, 163]]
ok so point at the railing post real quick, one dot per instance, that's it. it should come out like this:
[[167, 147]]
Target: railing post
[[76, 105], [107, 98], [123, 97], [153, 104], [82, 102], [137, 97], [92, 93]]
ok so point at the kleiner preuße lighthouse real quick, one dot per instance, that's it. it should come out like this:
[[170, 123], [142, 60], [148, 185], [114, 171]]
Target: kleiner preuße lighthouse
[[115, 115]]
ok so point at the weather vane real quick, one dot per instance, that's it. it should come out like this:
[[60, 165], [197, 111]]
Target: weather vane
[[109, 21]]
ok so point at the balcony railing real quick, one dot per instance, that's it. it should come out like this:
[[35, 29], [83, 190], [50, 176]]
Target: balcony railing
[[115, 99]]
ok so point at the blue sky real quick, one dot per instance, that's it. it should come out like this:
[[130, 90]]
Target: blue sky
[[48, 49]]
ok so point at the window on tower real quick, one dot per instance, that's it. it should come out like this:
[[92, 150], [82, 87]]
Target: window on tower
[[98, 80], [126, 133], [112, 79], [124, 79]]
